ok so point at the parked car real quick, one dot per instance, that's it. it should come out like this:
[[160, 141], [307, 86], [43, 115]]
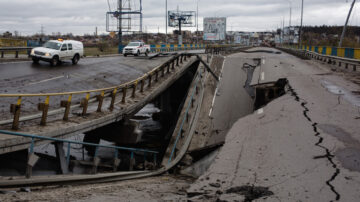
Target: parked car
[[136, 48], [56, 51]]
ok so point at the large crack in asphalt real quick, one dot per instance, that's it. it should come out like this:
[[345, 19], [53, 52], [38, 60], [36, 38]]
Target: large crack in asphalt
[[327, 154]]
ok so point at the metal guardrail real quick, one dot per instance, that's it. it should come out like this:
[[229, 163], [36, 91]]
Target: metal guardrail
[[333, 60], [112, 92], [185, 117], [31, 163], [14, 49], [171, 49]]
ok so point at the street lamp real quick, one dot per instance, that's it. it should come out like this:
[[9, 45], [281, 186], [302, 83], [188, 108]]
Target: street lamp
[[301, 24], [166, 20], [290, 4]]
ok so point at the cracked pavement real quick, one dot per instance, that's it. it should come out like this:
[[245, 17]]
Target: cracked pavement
[[303, 146]]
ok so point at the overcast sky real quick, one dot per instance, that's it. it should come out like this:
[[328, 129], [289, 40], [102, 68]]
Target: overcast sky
[[82, 16]]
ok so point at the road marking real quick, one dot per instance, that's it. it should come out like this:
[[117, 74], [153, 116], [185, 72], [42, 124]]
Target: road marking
[[262, 76], [45, 80]]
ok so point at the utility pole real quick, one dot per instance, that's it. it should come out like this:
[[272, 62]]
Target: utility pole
[[346, 23], [290, 13], [166, 21], [197, 16], [301, 24], [120, 26]]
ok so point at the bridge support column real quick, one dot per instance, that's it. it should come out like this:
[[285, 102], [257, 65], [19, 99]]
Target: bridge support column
[[61, 157]]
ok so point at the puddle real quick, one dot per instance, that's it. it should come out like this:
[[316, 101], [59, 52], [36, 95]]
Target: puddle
[[338, 133], [349, 158], [337, 90]]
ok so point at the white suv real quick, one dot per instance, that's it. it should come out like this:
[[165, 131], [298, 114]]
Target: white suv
[[55, 51]]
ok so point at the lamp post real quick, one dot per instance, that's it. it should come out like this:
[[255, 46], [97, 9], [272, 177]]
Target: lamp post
[[346, 23], [301, 24], [166, 21]]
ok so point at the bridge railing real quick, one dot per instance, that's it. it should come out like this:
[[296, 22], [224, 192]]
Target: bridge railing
[[32, 159], [15, 50], [172, 47], [141, 85], [332, 55], [186, 116]]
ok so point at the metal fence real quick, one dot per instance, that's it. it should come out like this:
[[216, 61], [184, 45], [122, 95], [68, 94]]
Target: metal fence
[[32, 162]]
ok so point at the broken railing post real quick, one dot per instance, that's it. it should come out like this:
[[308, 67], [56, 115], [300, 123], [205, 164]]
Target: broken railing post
[[85, 103], [124, 95], [15, 109], [113, 96], [149, 85], [100, 98], [156, 75], [134, 89], [142, 85], [168, 68], [66, 104], [44, 107]]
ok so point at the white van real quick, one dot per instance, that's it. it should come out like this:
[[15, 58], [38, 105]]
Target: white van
[[55, 51]]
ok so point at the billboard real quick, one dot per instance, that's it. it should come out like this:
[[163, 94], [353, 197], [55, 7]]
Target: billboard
[[186, 18], [214, 29]]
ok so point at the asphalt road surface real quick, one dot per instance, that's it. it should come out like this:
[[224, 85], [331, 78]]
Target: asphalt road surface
[[89, 74]]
